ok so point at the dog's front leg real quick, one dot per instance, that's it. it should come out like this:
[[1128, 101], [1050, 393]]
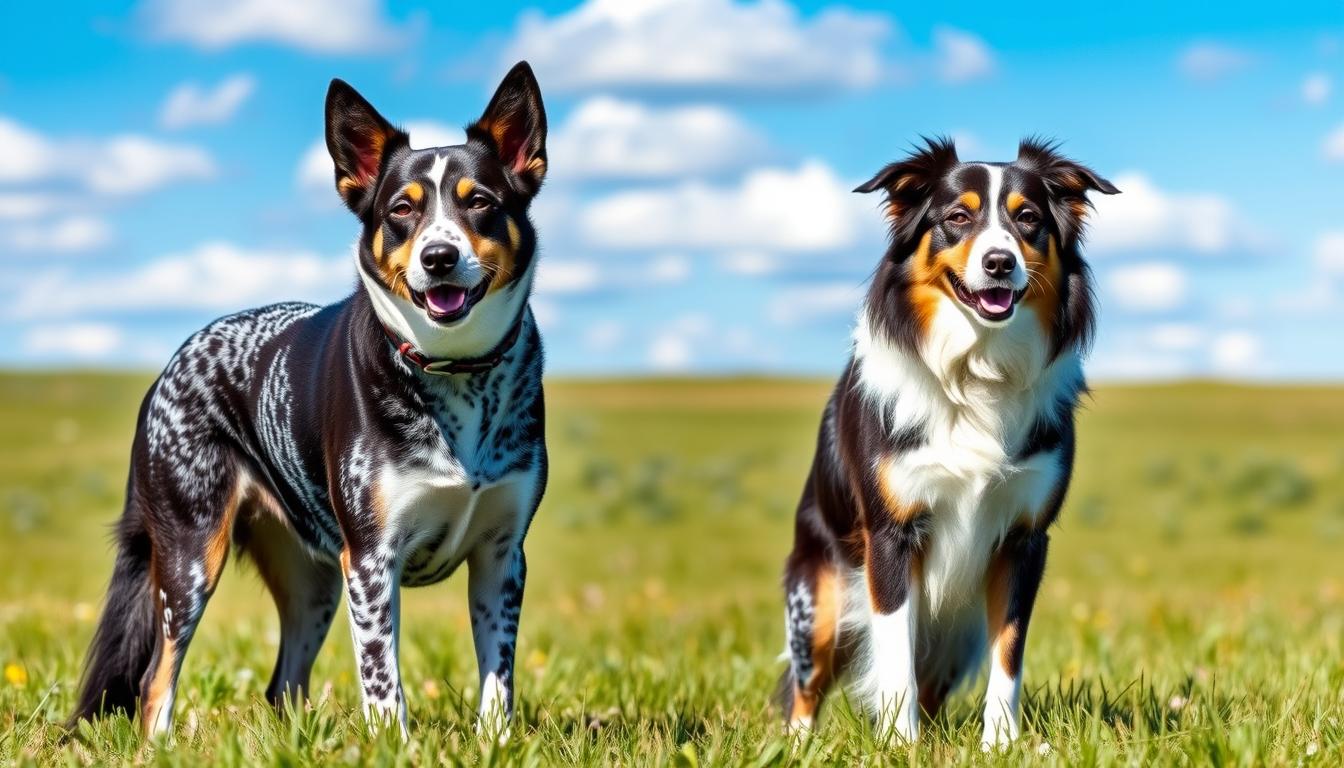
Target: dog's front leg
[[373, 582], [893, 591], [1014, 577], [498, 571]]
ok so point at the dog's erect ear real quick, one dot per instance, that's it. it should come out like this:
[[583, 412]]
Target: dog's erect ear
[[514, 126], [1068, 182], [910, 183], [358, 139]]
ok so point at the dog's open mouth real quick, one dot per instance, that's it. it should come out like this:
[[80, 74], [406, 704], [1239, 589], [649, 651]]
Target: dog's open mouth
[[990, 303], [448, 303]]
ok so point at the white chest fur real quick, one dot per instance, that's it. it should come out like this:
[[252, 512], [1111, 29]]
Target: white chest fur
[[973, 396]]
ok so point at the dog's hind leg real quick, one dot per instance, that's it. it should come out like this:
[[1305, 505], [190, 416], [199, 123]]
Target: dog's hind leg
[[191, 526], [306, 591], [813, 596]]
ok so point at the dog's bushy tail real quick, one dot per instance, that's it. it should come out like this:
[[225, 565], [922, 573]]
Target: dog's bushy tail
[[123, 644]]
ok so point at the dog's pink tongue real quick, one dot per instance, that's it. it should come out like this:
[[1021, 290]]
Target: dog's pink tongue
[[996, 300], [446, 299]]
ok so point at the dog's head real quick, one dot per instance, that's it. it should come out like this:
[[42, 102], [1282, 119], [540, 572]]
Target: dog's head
[[988, 238], [444, 228]]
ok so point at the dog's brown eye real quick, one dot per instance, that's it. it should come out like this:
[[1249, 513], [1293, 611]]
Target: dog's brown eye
[[958, 218], [1028, 218], [479, 202], [402, 208]]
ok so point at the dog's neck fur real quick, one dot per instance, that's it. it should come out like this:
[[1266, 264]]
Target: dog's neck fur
[[982, 387], [480, 333]]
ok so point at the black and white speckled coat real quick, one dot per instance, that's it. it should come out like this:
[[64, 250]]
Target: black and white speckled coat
[[316, 440]]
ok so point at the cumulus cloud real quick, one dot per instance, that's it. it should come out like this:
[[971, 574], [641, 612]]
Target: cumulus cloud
[[1145, 217], [961, 56], [1147, 287], [193, 104], [796, 306], [115, 166], [762, 46], [1316, 88], [24, 205], [672, 346], [559, 277], [69, 234], [806, 209], [614, 139], [316, 174], [1175, 337], [1209, 61], [1328, 252], [83, 341], [1235, 352], [323, 26], [1333, 146], [213, 276]]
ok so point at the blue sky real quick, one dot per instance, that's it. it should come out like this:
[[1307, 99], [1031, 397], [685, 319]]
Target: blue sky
[[159, 166]]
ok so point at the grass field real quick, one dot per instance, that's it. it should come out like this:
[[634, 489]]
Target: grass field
[[1192, 612]]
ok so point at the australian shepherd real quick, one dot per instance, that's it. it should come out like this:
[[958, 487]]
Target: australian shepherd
[[946, 448], [376, 443]]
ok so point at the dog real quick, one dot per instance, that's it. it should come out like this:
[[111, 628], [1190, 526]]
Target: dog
[[375, 443], [947, 446]]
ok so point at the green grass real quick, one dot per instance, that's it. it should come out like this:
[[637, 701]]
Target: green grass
[[1192, 612]]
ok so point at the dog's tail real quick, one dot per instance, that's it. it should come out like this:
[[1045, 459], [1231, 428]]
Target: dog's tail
[[123, 644]]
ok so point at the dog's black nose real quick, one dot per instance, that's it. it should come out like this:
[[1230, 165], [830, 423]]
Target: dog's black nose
[[439, 260], [999, 263]]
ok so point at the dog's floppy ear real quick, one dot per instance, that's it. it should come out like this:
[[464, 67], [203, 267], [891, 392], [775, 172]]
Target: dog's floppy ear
[[514, 127], [909, 185], [1068, 182], [358, 139]]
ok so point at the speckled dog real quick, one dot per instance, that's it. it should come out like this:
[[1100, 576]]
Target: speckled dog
[[378, 442]]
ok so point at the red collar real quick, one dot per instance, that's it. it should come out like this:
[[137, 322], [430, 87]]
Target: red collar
[[448, 367]]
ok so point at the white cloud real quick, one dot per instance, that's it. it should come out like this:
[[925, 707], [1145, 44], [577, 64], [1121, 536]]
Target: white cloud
[[118, 165], [213, 276], [669, 268], [670, 351], [1148, 287], [78, 340], [1333, 146], [24, 154], [604, 335], [556, 277], [316, 174], [192, 104], [672, 347], [807, 209], [324, 26], [24, 205], [609, 138], [961, 56], [1175, 337], [1207, 61], [700, 46], [1235, 352], [130, 164], [73, 233], [1316, 88], [796, 306], [1144, 217], [1328, 252], [749, 262]]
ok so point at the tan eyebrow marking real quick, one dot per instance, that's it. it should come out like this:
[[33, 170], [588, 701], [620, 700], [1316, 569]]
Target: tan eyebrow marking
[[1015, 201], [464, 187], [414, 191], [970, 200]]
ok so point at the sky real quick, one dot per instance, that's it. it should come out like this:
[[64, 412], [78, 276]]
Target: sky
[[161, 165]]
